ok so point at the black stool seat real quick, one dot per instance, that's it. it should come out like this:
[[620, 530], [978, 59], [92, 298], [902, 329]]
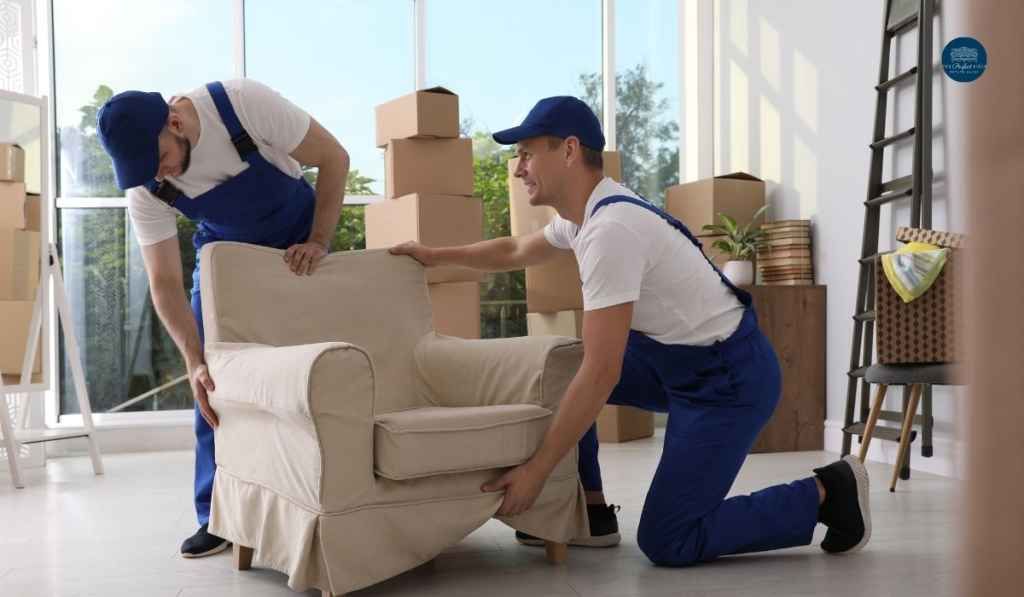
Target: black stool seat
[[939, 374]]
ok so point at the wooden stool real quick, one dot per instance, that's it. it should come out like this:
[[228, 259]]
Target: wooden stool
[[917, 376]]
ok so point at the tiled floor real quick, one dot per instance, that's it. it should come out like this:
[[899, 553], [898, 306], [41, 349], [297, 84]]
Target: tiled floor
[[71, 534]]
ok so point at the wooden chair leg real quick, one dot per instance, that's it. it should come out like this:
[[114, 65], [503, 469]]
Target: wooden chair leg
[[557, 553], [243, 557], [908, 423], [869, 428]]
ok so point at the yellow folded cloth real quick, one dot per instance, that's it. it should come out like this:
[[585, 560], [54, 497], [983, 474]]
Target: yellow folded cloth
[[913, 268]]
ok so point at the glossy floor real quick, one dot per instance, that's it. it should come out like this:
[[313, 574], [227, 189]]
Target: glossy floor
[[72, 534]]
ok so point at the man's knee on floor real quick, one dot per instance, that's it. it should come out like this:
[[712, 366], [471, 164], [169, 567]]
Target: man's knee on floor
[[663, 549]]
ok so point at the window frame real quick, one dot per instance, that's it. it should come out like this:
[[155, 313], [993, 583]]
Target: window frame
[[696, 29]]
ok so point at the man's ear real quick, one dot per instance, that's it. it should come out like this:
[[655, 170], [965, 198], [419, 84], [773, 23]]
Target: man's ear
[[175, 123], [572, 150]]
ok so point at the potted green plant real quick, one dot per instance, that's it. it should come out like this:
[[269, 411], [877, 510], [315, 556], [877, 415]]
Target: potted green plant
[[739, 244]]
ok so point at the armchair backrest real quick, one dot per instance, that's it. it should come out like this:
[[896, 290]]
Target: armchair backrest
[[371, 299]]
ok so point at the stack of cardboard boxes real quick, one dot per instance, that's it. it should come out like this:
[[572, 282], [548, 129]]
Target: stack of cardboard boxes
[[429, 190], [697, 204], [19, 261], [554, 298]]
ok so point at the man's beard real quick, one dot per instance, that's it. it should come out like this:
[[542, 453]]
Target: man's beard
[[186, 148]]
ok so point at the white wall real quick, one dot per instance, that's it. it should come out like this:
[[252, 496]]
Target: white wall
[[794, 104]]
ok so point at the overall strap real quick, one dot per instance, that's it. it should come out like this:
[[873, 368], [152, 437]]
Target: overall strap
[[742, 295], [164, 191], [240, 138]]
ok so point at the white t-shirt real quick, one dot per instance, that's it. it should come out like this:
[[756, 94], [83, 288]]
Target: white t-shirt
[[630, 254], [274, 123]]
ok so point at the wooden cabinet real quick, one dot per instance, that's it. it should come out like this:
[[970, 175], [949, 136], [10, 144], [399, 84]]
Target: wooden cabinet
[[793, 318]]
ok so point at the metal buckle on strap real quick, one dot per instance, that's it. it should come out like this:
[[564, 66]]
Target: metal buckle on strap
[[167, 192], [243, 143]]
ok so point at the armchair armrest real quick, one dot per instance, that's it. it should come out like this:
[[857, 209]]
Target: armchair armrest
[[532, 369], [296, 419]]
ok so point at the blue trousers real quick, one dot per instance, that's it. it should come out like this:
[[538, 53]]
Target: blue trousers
[[206, 464], [718, 399]]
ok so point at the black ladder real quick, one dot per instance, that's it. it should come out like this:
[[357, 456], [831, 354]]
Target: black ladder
[[901, 16]]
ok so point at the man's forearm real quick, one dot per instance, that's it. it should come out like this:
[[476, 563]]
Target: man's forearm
[[495, 255], [176, 315], [587, 394], [330, 195]]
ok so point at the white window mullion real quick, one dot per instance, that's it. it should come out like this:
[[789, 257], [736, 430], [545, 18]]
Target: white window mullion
[[696, 77], [239, 35], [91, 202], [608, 72], [420, 46]]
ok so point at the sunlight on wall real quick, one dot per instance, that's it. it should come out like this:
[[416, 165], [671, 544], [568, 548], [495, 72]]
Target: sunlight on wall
[[805, 90], [805, 177], [738, 30], [738, 157], [771, 141], [771, 62]]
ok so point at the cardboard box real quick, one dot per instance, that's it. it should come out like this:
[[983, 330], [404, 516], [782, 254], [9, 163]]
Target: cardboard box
[[19, 264], [435, 221], [696, 204], [427, 113], [613, 165], [33, 213], [12, 163], [456, 308], [431, 166], [12, 205], [624, 423], [554, 285], [15, 379], [562, 323], [15, 317]]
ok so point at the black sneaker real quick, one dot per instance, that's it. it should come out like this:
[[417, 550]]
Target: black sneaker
[[846, 510], [203, 544], [604, 529]]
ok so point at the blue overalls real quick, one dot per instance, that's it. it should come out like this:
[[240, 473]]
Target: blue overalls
[[261, 205], [718, 398]]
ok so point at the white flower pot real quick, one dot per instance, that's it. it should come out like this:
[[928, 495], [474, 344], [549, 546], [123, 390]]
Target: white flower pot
[[740, 273]]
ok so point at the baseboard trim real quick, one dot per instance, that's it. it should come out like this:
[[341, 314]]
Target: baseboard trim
[[948, 460]]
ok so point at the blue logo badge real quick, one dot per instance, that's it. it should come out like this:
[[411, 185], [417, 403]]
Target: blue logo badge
[[964, 59]]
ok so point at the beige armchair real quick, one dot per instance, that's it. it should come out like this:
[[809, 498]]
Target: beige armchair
[[353, 440]]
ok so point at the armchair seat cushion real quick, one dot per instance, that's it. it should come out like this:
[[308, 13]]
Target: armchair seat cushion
[[422, 442]]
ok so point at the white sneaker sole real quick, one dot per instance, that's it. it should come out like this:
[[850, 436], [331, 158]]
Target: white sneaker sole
[[860, 474], [191, 556]]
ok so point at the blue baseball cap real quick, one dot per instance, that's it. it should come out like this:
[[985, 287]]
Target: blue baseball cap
[[560, 116], [129, 126]]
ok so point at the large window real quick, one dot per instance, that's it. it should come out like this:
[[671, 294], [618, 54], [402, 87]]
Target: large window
[[501, 57], [647, 94], [337, 60], [150, 45]]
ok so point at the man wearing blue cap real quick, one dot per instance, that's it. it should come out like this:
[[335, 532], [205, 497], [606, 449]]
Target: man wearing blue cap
[[228, 156], [665, 331]]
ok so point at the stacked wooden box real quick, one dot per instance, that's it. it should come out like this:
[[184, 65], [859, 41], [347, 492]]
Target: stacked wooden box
[[429, 190], [784, 254]]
